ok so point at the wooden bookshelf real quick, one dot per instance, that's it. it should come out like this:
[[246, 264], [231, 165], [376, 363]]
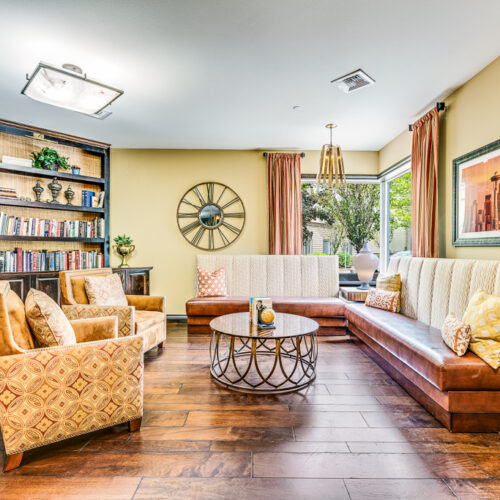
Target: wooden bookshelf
[[92, 157]]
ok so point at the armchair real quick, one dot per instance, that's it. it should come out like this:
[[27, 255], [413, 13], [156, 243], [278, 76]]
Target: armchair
[[144, 316], [55, 393]]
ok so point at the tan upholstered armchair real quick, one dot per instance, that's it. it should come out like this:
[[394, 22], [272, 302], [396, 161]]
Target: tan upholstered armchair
[[144, 315], [54, 393]]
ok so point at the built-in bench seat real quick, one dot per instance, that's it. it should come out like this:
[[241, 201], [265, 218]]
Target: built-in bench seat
[[327, 311], [297, 284], [461, 392]]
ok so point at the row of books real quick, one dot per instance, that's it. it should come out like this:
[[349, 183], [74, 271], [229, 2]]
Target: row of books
[[11, 225], [19, 260], [8, 193]]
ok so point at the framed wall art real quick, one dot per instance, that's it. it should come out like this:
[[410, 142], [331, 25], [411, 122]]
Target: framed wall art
[[476, 197]]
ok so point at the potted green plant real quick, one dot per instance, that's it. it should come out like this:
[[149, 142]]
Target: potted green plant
[[49, 159], [123, 248]]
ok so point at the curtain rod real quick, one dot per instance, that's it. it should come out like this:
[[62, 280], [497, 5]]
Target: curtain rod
[[302, 155], [440, 106]]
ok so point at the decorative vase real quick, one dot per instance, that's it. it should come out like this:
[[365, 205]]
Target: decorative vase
[[75, 170], [69, 195], [54, 187], [365, 263], [54, 167], [124, 251], [38, 189]]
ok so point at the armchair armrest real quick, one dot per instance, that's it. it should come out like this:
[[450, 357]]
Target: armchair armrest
[[56, 393], [147, 303], [89, 329], [125, 315]]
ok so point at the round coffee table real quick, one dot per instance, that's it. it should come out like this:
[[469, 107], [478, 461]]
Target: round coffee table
[[247, 359]]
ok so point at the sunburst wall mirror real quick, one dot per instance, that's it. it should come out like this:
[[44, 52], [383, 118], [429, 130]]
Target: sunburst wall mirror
[[210, 216]]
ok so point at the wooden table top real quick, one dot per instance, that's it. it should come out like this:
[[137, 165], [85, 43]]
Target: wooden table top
[[287, 325]]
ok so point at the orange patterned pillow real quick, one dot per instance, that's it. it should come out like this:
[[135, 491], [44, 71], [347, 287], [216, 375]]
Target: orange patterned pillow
[[211, 284], [383, 299], [105, 290], [48, 323], [456, 334]]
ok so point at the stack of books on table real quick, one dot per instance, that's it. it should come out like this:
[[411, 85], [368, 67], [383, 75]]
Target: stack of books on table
[[8, 193]]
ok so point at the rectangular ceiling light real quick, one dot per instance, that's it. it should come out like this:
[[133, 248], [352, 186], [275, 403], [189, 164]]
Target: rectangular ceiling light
[[71, 90]]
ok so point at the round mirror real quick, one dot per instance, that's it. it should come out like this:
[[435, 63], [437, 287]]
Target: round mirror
[[210, 215]]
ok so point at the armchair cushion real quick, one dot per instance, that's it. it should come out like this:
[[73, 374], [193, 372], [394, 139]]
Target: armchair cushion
[[56, 393], [49, 324], [105, 290], [147, 303], [125, 315], [87, 330], [17, 319], [79, 293], [147, 319]]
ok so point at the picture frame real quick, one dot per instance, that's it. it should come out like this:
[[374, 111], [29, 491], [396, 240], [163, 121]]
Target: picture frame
[[476, 197]]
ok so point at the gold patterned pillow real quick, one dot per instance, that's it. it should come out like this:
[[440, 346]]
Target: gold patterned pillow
[[456, 334], [391, 283], [105, 290], [483, 316], [382, 299], [211, 284], [47, 321]]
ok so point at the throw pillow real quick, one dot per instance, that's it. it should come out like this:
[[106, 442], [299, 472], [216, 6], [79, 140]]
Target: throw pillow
[[483, 316], [211, 284], [382, 299], [456, 334], [105, 290], [391, 283], [47, 321]]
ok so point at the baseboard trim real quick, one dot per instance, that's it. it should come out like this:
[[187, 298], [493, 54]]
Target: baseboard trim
[[176, 318]]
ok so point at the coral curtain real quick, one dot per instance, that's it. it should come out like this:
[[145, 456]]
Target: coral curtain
[[424, 177], [285, 203]]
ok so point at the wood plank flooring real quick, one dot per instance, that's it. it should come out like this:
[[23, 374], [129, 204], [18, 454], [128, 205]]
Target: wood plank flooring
[[353, 434]]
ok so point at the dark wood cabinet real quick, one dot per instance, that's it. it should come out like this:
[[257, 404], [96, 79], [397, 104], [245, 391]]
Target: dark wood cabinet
[[135, 282], [135, 279]]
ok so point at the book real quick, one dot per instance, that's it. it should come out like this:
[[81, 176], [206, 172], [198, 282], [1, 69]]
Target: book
[[255, 304], [13, 160]]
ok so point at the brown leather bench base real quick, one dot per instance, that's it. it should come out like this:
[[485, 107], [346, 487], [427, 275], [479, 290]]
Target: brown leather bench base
[[410, 353], [328, 312]]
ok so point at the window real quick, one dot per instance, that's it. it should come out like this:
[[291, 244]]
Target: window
[[337, 221], [395, 210]]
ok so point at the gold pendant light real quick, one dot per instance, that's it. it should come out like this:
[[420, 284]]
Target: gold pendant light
[[331, 166]]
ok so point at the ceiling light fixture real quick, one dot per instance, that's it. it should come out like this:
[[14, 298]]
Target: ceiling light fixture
[[331, 163], [68, 87]]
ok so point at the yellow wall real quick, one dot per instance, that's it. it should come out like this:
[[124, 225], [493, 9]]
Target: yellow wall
[[472, 120], [147, 184], [394, 151]]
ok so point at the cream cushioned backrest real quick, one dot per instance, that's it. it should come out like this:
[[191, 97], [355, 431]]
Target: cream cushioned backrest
[[276, 275], [433, 288]]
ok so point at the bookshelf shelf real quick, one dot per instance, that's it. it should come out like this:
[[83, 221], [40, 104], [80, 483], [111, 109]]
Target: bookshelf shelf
[[49, 206], [40, 172], [51, 238]]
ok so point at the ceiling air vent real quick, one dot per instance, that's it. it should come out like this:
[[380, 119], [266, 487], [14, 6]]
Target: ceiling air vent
[[353, 81]]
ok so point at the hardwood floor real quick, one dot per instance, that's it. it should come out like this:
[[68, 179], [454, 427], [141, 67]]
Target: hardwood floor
[[353, 434]]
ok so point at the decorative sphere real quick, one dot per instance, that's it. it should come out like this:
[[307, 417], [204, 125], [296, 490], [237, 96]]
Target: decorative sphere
[[267, 315]]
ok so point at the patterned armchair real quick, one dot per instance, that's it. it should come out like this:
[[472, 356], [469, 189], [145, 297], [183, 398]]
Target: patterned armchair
[[145, 315], [54, 393]]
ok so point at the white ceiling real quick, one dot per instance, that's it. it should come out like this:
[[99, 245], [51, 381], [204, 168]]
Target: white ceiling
[[226, 73]]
